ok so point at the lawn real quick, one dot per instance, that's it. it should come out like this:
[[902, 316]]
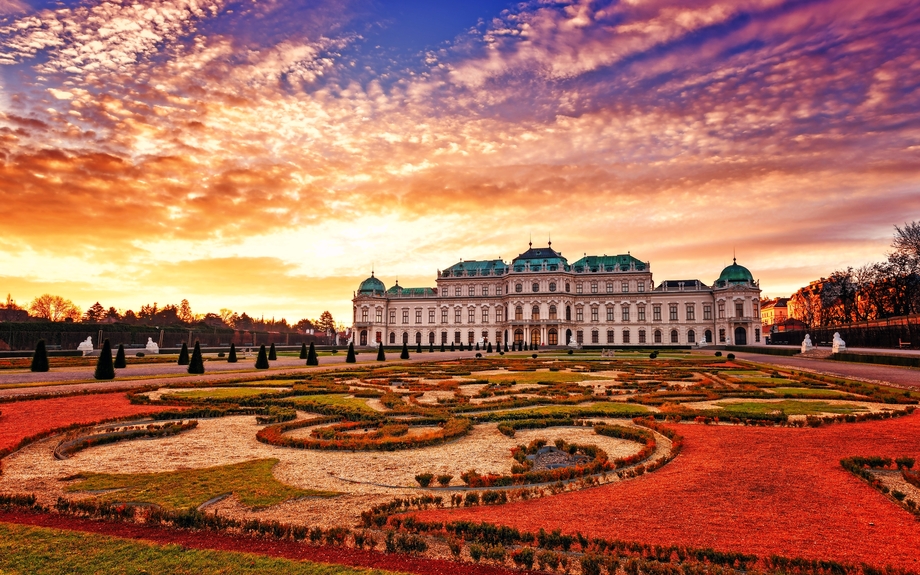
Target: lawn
[[223, 393], [611, 408], [331, 399], [808, 392], [535, 377], [788, 407], [251, 481], [43, 551]]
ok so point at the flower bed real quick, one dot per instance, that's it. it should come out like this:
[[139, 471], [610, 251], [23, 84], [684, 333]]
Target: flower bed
[[334, 438], [68, 448]]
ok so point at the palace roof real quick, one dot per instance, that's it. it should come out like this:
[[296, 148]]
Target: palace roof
[[476, 268], [622, 262]]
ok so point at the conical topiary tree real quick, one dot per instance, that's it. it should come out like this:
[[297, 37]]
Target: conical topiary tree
[[442, 345], [430, 347], [120, 361], [104, 367], [196, 365], [183, 355], [272, 354], [405, 351], [452, 346], [460, 346], [303, 350], [40, 357], [350, 358], [380, 355], [489, 348], [231, 357], [477, 346], [418, 347], [312, 358], [262, 360]]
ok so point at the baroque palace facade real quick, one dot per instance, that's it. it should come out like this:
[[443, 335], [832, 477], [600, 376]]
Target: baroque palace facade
[[541, 299]]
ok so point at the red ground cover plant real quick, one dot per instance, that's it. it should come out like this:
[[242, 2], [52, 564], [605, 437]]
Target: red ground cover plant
[[747, 489], [22, 419]]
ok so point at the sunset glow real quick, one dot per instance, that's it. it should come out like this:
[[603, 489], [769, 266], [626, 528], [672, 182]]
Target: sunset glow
[[264, 156]]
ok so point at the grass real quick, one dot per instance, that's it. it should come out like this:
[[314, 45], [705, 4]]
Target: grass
[[611, 408], [534, 377], [789, 407], [224, 392], [332, 399], [808, 392], [43, 551], [251, 481]]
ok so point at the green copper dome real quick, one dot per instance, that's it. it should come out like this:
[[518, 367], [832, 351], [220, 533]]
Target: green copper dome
[[734, 274], [371, 286]]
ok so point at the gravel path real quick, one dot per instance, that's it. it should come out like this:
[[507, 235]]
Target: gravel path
[[898, 376]]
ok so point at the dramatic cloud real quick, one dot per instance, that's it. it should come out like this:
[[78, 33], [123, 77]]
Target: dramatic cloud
[[254, 136]]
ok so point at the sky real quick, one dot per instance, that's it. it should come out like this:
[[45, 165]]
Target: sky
[[265, 156]]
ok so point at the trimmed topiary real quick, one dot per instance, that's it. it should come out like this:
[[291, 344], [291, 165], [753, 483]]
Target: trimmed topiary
[[430, 347], [418, 348], [718, 354], [312, 358], [350, 358], [183, 355], [534, 356], [730, 356], [104, 367], [303, 350], [405, 351], [452, 346], [231, 357], [120, 360], [381, 356], [196, 365], [40, 357], [571, 352], [479, 355], [477, 346], [272, 354], [489, 348], [442, 346], [262, 360], [506, 346]]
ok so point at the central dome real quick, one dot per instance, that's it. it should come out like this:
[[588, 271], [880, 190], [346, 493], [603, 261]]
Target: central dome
[[734, 274], [372, 286]]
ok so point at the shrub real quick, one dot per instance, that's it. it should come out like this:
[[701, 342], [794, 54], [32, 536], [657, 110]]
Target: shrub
[[221, 354], [405, 351], [444, 480], [139, 354], [570, 352], [904, 462], [899, 495], [476, 552], [303, 350], [183, 355], [489, 348], [196, 365], [262, 360], [120, 360], [424, 479], [231, 357], [104, 367], [534, 356], [730, 356], [718, 354], [40, 357], [350, 356], [272, 354], [380, 355], [523, 557], [312, 358], [479, 355]]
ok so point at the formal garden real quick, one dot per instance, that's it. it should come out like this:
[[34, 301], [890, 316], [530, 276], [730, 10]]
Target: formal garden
[[642, 462]]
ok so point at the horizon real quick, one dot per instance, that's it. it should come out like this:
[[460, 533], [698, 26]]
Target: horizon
[[264, 157]]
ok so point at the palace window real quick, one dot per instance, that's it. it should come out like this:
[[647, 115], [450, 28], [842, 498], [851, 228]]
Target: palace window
[[518, 288], [418, 316], [593, 287], [552, 286], [456, 337], [610, 338], [392, 316], [578, 287], [552, 312], [567, 287], [625, 336], [470, 337], [457, 315], [472, 291], [609, 287], [641, 315], [485, 336], [443, 315], [378, 315], [595, 337], [672, 312], [641, 287], [579, 314], [457, 291], [757, 335], [657, 336], [418, 338], [535, 287], [472, 315], [656, 313], [498, 290], [431, 315], [610, 312], [594, 313], [691, 336], [519, 313], [568, 313], [405, 316], [722, 335], [443, 337], [721, 310], [485, 315], [707, 312], [364, 314], [691, 312], [674, 336], [739, 309], [641, 336], [625, 312], [580, 336], [535, 313], [624, 287], [392, 338], [485, 290], [500, 313]]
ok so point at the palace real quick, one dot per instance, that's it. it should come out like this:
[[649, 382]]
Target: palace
[[542, 299]]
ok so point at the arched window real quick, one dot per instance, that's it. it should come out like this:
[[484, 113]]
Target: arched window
[[364, 314], [674, 336], [552, 313], [519, 313], [625, 336], [431, 338], [610, 336], [691, 336], [392, 338], [535, 313], [418, 337], [568, 313], [708, 335], [595, 337], [406, 337], [657, 336], [518, 335], [553, 336]]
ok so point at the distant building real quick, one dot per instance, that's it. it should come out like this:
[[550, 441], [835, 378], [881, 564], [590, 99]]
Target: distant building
[[7, 314], [774, 312], [541, 299]]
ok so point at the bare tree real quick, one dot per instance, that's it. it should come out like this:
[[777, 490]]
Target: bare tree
[[907, 239], [54, 308]]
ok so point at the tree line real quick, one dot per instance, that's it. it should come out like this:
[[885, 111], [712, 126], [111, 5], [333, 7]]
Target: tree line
[[55, 308], [880, 290]]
